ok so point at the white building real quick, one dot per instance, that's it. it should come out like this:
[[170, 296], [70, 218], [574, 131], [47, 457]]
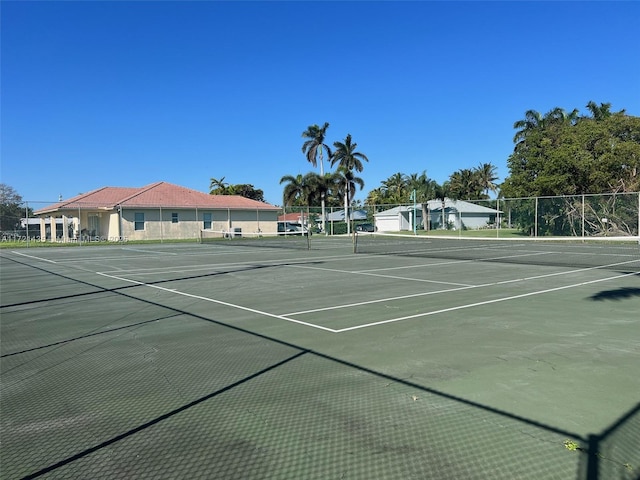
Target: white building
[[456, 214]]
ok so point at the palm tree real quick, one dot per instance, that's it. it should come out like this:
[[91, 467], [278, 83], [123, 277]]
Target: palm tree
[[296, 190], [375, 197], [395, 187], [442, 192], [599, 112], [464, 183], [486, 173], [532, 120], [559, 116], [348, 159], [313, 148], [346, 156], [425, 190], [347, 186], [218, 187]]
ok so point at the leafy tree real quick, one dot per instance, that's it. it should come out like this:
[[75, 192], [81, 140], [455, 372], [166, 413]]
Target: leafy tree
[[220, 187], [12, 208], [571, 157], [246, 190]]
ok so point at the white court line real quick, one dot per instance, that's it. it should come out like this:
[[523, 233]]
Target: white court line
[[381, 275], [389, 299], [492, 284], [459, 307], [451, 262], [220, 302], [147, 251], [477, 304], [33, 256]]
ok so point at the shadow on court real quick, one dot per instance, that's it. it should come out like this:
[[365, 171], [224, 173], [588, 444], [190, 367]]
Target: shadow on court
[[616, 294], [198, 397]]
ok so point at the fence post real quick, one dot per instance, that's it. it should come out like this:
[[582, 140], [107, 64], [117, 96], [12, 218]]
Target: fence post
[[535, 227]]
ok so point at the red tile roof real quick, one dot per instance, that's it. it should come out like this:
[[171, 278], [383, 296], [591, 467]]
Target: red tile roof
[[155, 195]]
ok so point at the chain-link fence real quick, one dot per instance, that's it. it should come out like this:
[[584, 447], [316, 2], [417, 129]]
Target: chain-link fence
[[603, 215]]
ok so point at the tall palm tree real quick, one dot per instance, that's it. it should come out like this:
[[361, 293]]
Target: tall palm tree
[[348, 159], [218, 187], [313, 148], [345, 155], [347, 186], [425, 191], [442, 192], [487, 176]]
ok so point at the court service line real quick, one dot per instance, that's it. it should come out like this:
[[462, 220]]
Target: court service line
[[128, 249], [219, 302], [34, 257], [388, 299], [467, 287], [478, 304], [424, 280], [451, 262]]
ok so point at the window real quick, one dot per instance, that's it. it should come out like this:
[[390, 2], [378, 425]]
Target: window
[[174, 217], [139, 221], [207, 219]]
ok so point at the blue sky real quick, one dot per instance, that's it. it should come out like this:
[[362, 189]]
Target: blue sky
[[129, 93]]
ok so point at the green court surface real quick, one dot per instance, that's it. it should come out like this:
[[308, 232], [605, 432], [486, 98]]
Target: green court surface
[[232, 362]]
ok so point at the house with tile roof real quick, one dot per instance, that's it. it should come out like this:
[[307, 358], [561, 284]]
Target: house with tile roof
[[155, 212]]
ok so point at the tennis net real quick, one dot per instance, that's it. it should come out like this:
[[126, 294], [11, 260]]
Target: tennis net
[[620, 253], [294, 240]]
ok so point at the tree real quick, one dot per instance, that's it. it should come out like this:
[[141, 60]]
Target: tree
[[487, 176], [597, 154], [246, 190], [218, 187], [295, 191], [601, 112], [346, 156], [464, 183], [347, 186], [442, 192], [313, 148], [532, 121], [425, 190], [11, 208], [395, 188], [348, 159]]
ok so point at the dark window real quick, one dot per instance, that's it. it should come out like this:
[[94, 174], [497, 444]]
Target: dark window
[[139, 221], [207, 219]]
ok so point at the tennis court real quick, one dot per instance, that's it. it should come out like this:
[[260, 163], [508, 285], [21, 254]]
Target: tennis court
[[222, 360]]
